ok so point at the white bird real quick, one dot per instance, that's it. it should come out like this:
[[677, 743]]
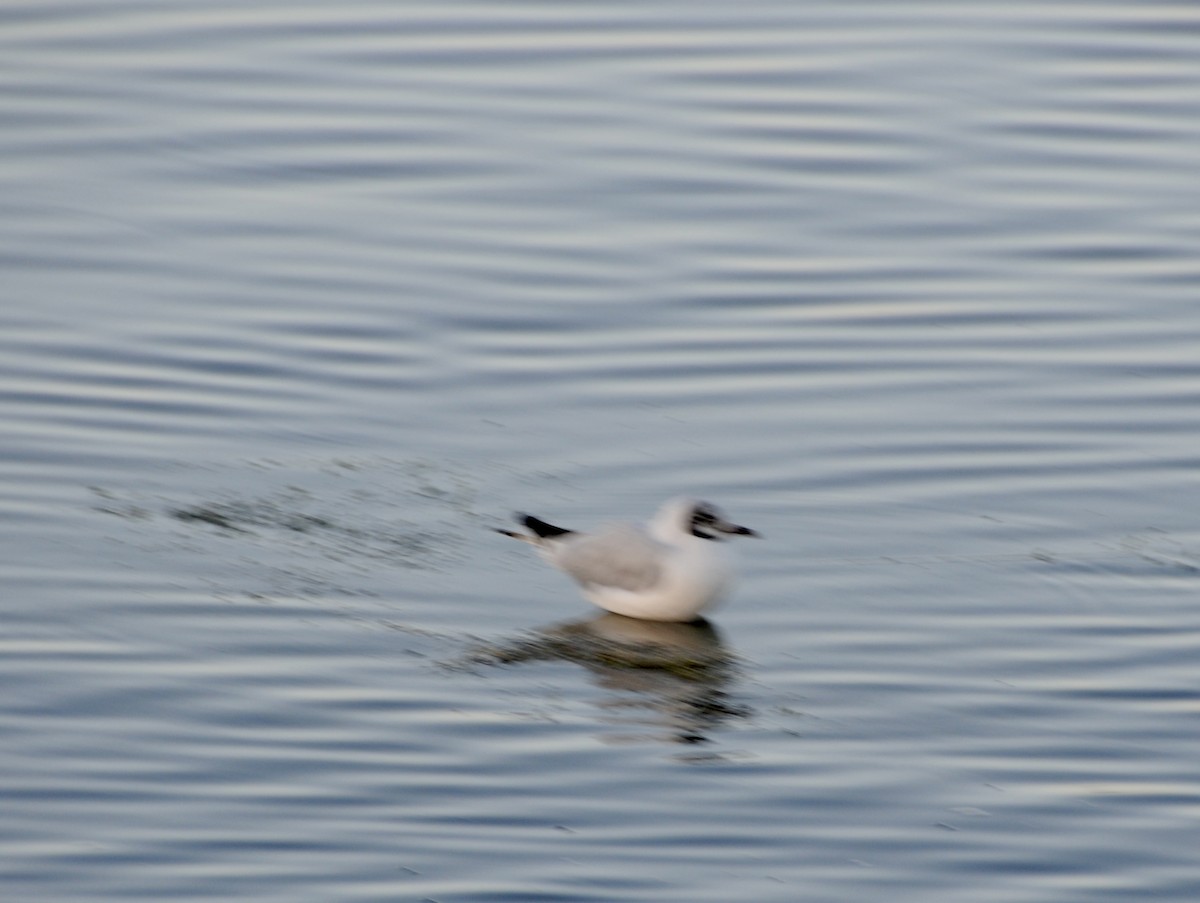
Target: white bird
[[672, 569]]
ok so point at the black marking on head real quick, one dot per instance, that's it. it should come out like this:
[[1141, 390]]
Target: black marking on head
[[704, 520], [540, 528]]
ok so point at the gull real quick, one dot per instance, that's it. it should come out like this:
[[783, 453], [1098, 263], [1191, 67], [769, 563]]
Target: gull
[[672, 569]]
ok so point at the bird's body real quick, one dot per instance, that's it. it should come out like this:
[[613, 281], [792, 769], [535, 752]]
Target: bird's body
[[672, 569]]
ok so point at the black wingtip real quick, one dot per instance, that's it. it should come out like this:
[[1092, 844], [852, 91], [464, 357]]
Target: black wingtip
[[540, 528]]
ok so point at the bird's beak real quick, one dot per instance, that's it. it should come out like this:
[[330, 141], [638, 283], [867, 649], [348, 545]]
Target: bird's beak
[[736, 530]]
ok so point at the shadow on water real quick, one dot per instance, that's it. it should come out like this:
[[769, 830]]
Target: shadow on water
[[661, 681]]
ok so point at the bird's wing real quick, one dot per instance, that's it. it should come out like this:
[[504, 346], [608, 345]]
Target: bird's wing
[[621, 557]]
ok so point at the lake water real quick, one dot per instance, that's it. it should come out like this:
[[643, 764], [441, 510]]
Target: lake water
[[300, 300]]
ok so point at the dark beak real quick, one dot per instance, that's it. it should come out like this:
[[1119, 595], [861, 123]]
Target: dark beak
[[737, 530]]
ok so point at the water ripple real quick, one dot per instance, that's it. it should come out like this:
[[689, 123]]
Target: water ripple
[[301, 299]]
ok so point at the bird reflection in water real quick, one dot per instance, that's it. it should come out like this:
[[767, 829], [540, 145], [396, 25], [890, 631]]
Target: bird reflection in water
[[663, 681]]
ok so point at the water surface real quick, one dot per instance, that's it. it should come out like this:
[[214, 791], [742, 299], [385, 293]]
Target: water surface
[[299, 302]]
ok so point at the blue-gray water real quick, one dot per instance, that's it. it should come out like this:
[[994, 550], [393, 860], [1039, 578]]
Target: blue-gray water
[[299, 300]]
